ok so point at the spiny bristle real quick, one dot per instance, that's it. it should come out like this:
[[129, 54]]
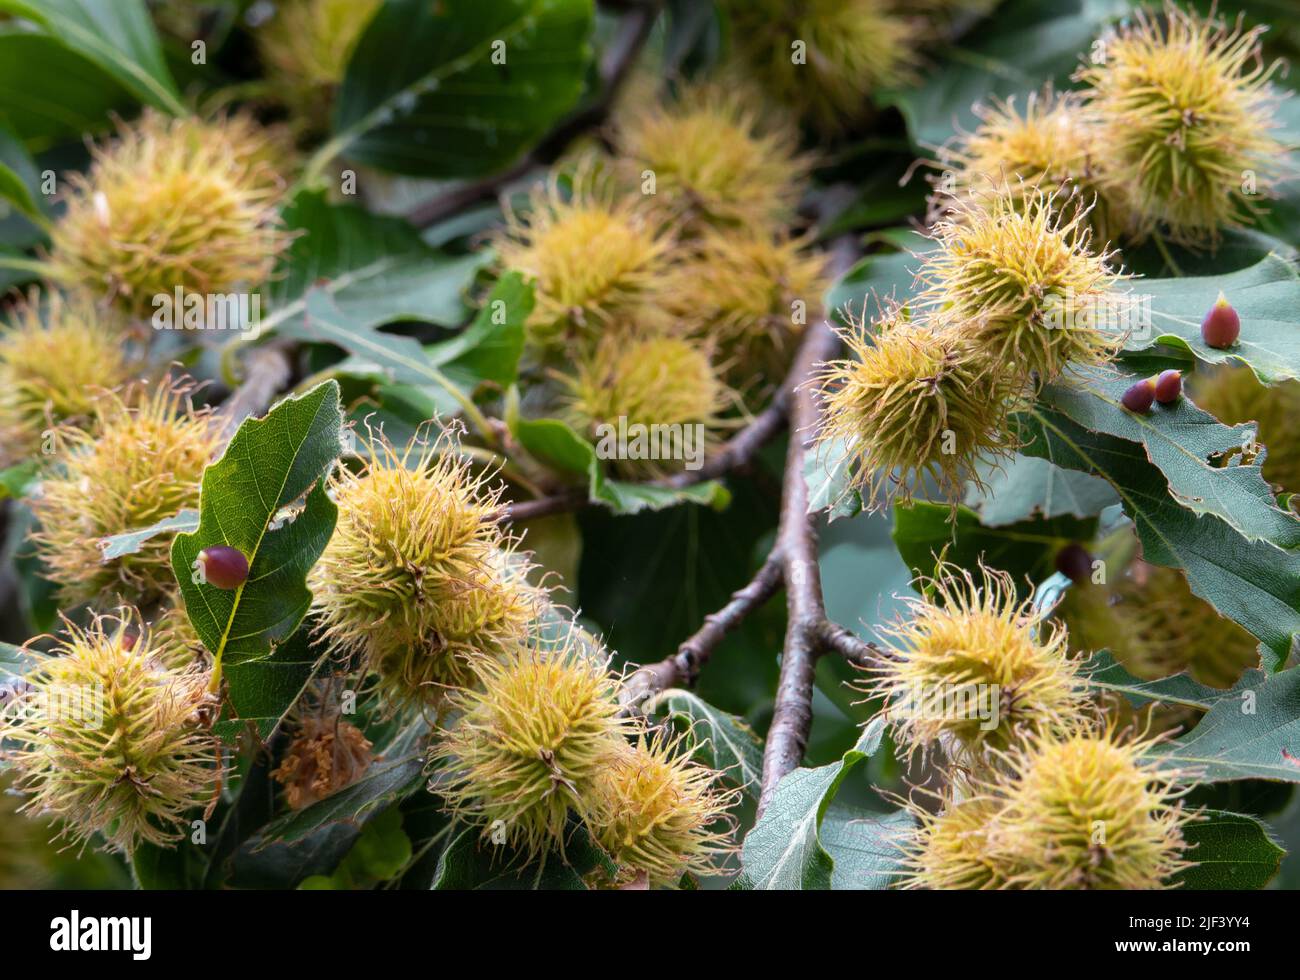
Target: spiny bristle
[[824, 58], [1185, 113], [529, 743], [54, 362], [111, 741], [593, 255], [750, 293], [661, 813], [306, 45], [1051, 146], [970, 669], [141, 461], [1090, 809], [664, 384], [713, 160], [1019, 276], [418, 577], [173, 204], [915, 402]]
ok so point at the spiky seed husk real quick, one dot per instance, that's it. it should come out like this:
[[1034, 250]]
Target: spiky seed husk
[[54, 362], [173, 203], [139, 463], [306, 45], [109, 740], [1019, 276], [530, 743], [750, 293], [326, 755], [851, 50], [915, 402], [418, 578], [1153, 624], [593, 255], [661, 813], [714, 159], [1185, 112], [955, 849], [1092, 810], [1051, 146], [969, 668], [651, 382], [1233, 395]]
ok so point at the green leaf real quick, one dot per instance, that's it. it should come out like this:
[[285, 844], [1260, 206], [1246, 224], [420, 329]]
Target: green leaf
[[14, 190], [48, 93], [875, 278], [864, 846], [489, 348], [1232, 851], [16, 480], [129, 542], [1252, 583], [1028, 487], [1198, 454], [376, 269], [469, 864], [785, 851], [1027, 549], [726, 742], [828, 471], [1026, 45], [556, 444], [118, 37], [14, 661], [1265, 296], [1105, 673], [270, 464], [1252, 735], [448, 107], [261, 692]]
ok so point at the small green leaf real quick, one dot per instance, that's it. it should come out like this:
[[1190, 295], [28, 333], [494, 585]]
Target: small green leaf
[[1231, 851], [129, 542], [489, 348], [468, 863], [1028, 487], [14, 190], [727, 743], [1105, 673], [270, 464], [784, 850], [478, 83]]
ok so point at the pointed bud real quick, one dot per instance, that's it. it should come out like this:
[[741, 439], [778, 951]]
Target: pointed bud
[[1221, 325], [1074, 562], [1169, 387], [223, 566]]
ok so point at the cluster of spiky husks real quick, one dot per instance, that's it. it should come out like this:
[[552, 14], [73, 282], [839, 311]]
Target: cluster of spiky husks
[[713, 159], [173, 203], [529, 745], [1018, 276], [111, 741], [1154, 625], [1086, 810], [1051, 146], [662, 813], [327, 754], [419, 578], [54, 362], [665, 384], [970, 669], [593, 255], [142, 460], [1184, 114], [825, 58], [914, 402], [751, 294], [1234, 395], [306, 45]]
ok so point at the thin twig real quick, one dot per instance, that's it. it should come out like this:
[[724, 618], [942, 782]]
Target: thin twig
[[615, 68], [266, 373], [682, 668]]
